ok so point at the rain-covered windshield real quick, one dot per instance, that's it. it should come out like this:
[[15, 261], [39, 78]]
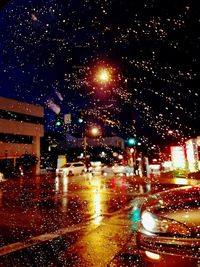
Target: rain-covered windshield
[[99, 110]]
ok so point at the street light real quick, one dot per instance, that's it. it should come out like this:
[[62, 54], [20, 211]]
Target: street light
[[103, 75], [94, 131]]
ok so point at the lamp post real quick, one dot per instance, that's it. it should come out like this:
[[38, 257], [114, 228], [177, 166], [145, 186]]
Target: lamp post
[[102, 76], [133, 152], [85, 148], [94, 132]]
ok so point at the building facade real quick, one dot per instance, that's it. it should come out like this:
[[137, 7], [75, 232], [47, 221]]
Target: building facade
[[21, 127], [193, 154]]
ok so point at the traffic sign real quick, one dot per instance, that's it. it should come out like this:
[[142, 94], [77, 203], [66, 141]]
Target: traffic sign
[[67, 118]]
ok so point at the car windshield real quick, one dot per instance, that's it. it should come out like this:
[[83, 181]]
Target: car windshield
[[99, 107], [66, 165], [78, 164]]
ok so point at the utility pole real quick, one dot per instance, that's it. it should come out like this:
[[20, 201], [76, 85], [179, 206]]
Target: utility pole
[[85, 148]]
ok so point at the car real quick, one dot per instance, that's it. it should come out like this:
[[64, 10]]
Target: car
[[168, 232], [72, 168], [95, 167], [117, 168]]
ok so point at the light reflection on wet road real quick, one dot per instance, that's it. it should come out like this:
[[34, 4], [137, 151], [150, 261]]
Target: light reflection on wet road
[[45, 204], [67, 221]]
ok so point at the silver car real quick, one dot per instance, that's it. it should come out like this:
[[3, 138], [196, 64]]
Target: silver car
[[118, 169], [169, 230]]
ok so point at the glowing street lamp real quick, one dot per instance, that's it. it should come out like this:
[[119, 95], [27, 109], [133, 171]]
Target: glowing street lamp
[[103, 75], [94, 131]]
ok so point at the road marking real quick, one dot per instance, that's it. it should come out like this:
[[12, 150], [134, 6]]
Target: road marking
[[50, 236], [38, 239]]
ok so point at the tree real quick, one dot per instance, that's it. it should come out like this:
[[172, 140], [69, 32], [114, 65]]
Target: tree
[[28, 162]]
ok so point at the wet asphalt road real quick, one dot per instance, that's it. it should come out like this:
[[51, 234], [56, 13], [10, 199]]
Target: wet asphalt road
[[71, 221]]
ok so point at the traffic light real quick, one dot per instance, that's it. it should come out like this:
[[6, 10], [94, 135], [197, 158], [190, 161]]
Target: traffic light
[[58, 121], [131, 141], [81, 117], [80, 120]]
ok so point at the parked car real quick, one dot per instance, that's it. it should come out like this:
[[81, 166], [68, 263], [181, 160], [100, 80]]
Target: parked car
[[117, 168], [169, 227], [72, 168]]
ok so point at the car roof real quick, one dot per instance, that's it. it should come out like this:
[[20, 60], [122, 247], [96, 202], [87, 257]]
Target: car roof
[[75, 162], [72, 163]]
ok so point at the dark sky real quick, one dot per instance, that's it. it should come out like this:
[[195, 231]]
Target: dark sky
[[49, 50]]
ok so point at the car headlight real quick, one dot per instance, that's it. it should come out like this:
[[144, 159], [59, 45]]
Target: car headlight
[[161, 225]]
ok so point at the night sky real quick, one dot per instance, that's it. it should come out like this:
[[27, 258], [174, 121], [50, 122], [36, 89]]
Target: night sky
[[50, 51]]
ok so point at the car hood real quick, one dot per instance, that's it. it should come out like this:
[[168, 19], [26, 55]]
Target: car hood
[[180, 204], [189, 217]]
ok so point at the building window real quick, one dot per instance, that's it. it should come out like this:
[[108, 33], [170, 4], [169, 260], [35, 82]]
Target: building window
[[10, 115], [14, 138]]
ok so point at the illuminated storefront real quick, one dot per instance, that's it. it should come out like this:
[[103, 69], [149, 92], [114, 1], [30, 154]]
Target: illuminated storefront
[[178, 157], [192, 154]]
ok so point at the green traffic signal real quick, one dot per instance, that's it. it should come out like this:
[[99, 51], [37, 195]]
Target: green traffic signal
[[81, 117], [58, 120], [80, 120], [58, 123], [131, 141]]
